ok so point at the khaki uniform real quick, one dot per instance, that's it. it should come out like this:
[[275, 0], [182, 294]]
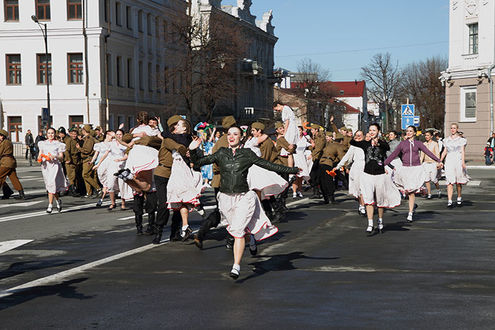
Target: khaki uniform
[[88, 174], [165, 160], [332, 154], [320, 142], [73, 157], [223, 142], [282, 144], [8, 164], [268, 151]]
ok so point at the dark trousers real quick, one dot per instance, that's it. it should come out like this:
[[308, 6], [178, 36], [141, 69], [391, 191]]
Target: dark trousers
[[327, 183], [211, 221], [163, 212], [314, 175]]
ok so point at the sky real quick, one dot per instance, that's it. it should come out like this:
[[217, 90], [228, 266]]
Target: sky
[[342, 36]]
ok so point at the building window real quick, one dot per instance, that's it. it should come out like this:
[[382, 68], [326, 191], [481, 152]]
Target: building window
[[140, 21], [43, 71], [15, 128], [468, 104], [76, 121], [106, 9], [148, 24], [120, 120], [43, 10], [150, 78], [157, 29], [75, 68], [118, 14], [109, 69], [131, 122], [128, 17], [42, 127], [157, 79], [140, 67], [118, 67], [130, 81], [111, 124], [74, 9], [473, 38], [14, 69], [11, 10]]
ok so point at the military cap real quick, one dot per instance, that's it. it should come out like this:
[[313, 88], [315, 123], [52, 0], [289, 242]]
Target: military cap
[[343, 128], [315, 126], [4, 132], [327, 133], [258, 125], [87, 128], [173, 120], [74, 128], [228, 122], [278, 124], [339, 136], [98, 128]]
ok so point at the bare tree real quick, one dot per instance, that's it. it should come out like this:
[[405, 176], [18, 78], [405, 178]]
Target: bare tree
[[383, 76], [421, 85], [207, 67], [312, 84]]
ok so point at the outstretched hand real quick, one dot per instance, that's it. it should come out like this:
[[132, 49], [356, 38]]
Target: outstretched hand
[[195, 143]]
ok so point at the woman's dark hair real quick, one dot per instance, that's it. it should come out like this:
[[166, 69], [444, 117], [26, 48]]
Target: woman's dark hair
[[51, 128], [110, 130], [395, 132], [413, 127], [376, 125], [153, 118], [143, 117], [120, 130]]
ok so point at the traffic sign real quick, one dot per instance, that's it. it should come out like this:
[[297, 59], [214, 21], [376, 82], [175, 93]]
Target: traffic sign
[[407, 110], [416, 121], [407, 121]]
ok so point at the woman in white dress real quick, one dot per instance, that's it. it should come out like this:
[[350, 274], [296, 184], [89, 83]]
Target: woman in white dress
[[142, 159], [430, 165], [355, 155], [265, 183], [101, 164], [455, 165], [291, 132], [51, 153], [301, 161]]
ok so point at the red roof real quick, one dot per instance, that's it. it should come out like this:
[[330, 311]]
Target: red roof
[[348, 88]]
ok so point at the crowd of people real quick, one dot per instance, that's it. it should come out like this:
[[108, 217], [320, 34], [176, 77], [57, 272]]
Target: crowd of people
[[250, 168]]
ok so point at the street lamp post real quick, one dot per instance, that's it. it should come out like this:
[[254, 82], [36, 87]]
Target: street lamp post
[[45, 37]]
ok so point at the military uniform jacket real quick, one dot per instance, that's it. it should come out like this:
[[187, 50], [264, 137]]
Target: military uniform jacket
[[7, 154], [87, 151], [268, 151], [320, 142], [332, 154], [282, 143], [223, 142], [165, 159], [71, 154]]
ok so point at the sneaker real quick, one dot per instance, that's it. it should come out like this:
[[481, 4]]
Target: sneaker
[[294, 195], [59, 205], [299, 194], [49, 209], [235, 272], [450, 204], [410, 217], [429, 196], [459, 202], [187, 234]]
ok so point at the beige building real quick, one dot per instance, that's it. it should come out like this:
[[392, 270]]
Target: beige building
[[468, 87]]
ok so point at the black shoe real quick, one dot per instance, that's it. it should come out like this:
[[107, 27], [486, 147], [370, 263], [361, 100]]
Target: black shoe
[[158, 236], [187, 234], [234, 274], [229, 243], [253, 251], [21, 195], [198, 242], [450, 205], [175, 237], [119, 172], [326, 200], [7, 192], [99, 203]]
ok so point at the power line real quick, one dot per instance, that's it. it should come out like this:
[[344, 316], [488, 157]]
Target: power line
[[365, 49]]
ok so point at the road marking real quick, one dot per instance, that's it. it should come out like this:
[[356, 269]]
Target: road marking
[[10, 245], [40, 213], [25, 204], [474, 183], [480, 167]]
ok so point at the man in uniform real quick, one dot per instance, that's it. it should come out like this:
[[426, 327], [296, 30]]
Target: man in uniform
[[99, 134], [214, 218], [8, 165], [72, 157], [316, 151], [331, 155], [87, 152]]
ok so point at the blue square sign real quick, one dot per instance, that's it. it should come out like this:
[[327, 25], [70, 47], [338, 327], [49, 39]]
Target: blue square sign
[[407, 121], [407, 110]]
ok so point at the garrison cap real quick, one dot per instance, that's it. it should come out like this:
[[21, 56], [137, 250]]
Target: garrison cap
[[315, 126], [339, 136], [4, 132], [228, 122], [87, 128], [278, 124], [173, 120], [258, 125]]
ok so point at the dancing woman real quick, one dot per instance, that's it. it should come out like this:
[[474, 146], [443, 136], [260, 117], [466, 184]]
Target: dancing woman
[[239, 206], [290, 131], [410, 176], [51, 152], [355, 155], [301, 161], [455, 165], [373, 182], [430, 165]]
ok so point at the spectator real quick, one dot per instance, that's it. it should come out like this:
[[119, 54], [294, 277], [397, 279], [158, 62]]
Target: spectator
[[29, 142], [491, 141], [488, 154], [39, 138]]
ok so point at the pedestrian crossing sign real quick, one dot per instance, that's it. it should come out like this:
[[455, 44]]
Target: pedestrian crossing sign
[[407, 110]]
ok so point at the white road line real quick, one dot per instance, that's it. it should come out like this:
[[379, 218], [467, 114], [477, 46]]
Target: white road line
[[40, 213], [480, 167], [474, 183], [25, 204], [10, 245]]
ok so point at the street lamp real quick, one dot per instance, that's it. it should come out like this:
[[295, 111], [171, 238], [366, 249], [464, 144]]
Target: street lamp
[[45, 37]]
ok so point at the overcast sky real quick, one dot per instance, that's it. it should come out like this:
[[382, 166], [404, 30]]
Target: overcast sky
[[342, 36]]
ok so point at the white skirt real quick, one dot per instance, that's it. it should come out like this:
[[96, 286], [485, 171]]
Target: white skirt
[[102, 172], [381, 186], [409, 179], [292, 134], [301, 161], [355, 173], [454, 173], [53, 176], [142, 158], [111, 181], [184, 186], [432, 172], [267, 182], [243, 214]]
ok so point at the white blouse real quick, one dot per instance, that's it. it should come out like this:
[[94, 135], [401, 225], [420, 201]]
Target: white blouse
[[53, 147]]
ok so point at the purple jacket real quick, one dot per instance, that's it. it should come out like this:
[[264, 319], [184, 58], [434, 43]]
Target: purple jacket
[[410, 153]]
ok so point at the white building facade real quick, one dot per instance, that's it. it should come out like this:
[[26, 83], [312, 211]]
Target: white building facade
[[468, 79], [106, 58]]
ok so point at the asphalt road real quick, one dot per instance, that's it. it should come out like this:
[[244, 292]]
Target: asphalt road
[[86, 268]]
